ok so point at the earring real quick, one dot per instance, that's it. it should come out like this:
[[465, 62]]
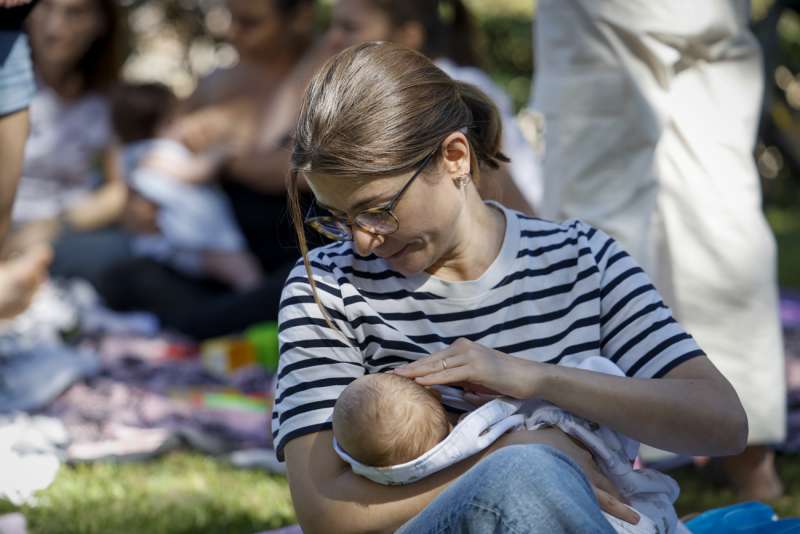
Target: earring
[[463, 180]]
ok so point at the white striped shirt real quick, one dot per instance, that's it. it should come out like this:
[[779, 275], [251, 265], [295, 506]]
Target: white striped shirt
[[555, 292]]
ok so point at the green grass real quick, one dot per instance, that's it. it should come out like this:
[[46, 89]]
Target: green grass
[[179, 493], [191, 493], [699, 490], [786, 225]]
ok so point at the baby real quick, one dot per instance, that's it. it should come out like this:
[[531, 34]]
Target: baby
[[387, 419], [198, 232]]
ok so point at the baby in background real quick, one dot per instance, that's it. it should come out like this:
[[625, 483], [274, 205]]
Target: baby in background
[[197, 230], [386, 419]]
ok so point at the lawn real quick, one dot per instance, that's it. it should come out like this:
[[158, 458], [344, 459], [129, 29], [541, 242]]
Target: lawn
[[185, 492], [190, 493]]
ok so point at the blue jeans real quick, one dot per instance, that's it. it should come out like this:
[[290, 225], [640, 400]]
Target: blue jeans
[[518, 489]]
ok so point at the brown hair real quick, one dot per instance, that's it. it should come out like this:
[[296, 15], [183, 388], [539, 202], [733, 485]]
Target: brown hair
[[448, 24], [387, 419], [378, 109], [101, 64], [139, 109]]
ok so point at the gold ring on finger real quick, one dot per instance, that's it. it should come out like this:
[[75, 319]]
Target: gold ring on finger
[[444, 365]]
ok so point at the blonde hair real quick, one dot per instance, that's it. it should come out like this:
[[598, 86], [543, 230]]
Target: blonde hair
[[387, 419], [377, 109]]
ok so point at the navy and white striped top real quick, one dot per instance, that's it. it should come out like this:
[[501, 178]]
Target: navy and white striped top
[[555, 292]]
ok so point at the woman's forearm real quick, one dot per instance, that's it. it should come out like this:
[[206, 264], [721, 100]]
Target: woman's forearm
[[329, 497], [263, 170], [106, 205], [680, 413], [103, 207]]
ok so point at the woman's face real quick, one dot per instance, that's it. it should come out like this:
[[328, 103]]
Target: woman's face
[[256, 27], [61, 31], [356, 21], [430, 213]]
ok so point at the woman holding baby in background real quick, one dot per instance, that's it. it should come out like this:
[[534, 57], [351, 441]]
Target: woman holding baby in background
[[429, 281]]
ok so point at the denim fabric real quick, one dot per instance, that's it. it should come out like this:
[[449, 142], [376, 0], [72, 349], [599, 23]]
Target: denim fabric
[[518, 489], [32, 378], [16, 72]]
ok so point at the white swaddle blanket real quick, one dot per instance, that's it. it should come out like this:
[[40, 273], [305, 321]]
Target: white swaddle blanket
[[649, 492]]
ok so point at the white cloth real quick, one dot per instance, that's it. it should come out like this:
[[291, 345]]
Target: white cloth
[[61, 155], [525, 167], [650, 115], [649, 492], [191, 217], [31, 448], [475, 432]]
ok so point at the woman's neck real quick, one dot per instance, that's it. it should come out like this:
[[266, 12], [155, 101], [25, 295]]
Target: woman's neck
[[478, 241], [65, 82]]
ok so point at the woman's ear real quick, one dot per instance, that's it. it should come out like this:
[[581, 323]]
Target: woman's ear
[[456, 154]]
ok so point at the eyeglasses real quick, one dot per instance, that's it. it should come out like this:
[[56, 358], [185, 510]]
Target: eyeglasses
[[379, 221]]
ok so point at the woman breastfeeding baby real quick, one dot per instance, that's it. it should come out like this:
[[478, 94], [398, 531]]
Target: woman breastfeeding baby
[[578, 355]]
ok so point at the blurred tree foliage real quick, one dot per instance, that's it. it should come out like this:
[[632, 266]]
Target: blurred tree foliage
[[506, 44], [193, 29]]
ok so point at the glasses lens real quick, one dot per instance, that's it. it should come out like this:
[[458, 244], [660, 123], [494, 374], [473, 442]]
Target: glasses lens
[[377, 222], [331, 228]]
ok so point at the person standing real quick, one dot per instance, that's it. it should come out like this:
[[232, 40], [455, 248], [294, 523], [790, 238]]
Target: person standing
[[651, 110]]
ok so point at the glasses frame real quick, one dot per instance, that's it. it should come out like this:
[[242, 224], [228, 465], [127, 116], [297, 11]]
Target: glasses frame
[[345, 223]]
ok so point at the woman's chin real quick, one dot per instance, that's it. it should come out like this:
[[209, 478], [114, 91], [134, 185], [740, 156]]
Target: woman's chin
[[409, 263]]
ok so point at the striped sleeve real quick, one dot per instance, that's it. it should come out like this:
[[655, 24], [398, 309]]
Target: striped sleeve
[[316, 362], [638, 332]]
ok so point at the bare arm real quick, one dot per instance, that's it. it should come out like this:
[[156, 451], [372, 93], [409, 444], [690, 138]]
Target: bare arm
[[265, 164], [262, 169], [693, 409], [328, 497], [13, 134], [104, 206]]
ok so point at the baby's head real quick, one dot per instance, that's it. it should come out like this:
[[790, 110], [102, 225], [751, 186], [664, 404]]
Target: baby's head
[[140, 110], [385, 419]]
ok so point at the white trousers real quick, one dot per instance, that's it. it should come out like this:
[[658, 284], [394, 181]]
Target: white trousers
[[651, 109]]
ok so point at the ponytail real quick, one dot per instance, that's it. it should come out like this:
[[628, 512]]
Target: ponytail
[[485, 131]]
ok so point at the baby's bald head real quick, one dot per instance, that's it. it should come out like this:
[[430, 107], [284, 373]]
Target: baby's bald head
[[387, 419]]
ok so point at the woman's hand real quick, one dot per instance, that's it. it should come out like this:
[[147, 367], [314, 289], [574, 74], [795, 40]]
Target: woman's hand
[[478, 369], [608, 496], [202, 129]]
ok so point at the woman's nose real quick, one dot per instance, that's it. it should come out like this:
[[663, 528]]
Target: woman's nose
[[365, 242]]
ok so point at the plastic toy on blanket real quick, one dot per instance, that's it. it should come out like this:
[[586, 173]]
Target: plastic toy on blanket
[[259, 345], [225, 399]]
